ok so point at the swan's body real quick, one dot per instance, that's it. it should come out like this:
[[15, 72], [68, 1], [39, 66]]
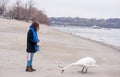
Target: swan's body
[[84, 62]]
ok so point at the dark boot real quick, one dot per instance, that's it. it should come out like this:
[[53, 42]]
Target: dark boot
[[28, 69], [32, 68]]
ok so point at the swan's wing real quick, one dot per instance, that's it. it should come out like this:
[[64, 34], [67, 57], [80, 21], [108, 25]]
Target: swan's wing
[[86, 62]]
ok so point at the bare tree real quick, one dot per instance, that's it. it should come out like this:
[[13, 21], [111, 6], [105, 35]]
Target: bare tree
[[3, 4], [11, 13], [29, 6], [27, 11], [17, 9]]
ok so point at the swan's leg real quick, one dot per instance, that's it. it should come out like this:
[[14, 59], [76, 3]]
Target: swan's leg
[[82, 69], [86, 70]]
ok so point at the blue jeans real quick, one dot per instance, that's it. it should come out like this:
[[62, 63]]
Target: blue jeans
[[29, 62]]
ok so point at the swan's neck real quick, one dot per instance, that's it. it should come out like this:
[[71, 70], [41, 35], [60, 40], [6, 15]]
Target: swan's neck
[[67, 66]]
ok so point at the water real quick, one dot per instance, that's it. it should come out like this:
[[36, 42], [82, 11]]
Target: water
[[108, 36]]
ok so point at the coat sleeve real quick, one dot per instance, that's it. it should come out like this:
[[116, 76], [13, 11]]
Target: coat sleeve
[[30, 37]]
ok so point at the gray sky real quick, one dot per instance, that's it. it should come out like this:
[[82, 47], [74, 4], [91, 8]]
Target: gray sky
[[80, 8]]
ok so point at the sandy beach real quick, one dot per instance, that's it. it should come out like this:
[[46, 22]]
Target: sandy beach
[[58, 49]]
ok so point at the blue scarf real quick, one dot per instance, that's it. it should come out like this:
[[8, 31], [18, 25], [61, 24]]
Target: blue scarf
[[35, 37]]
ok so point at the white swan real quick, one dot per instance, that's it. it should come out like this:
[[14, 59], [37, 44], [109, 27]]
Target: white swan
[[85, 63]]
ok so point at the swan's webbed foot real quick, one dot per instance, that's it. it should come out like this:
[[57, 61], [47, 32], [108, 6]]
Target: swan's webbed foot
[[83, 69]]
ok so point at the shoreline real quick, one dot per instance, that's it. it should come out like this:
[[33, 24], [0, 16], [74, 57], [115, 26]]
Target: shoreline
[[102, 43], [58, 49]]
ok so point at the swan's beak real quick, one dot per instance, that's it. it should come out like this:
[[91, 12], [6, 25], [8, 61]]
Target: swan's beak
[[62, 71]]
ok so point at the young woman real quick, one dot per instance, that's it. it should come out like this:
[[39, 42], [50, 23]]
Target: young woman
[[32, 45]]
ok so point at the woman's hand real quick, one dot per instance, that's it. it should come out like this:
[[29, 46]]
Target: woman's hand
[[38, 40], [38, 44]]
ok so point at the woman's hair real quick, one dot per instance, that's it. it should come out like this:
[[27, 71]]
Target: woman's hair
[[36, 25]]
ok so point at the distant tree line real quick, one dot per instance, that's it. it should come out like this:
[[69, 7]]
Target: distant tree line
[[23, 11], [84, 22]]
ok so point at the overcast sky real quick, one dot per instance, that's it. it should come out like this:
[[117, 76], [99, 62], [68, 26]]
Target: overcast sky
[[80, 8]]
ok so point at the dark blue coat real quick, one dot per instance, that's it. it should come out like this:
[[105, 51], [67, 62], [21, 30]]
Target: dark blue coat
[[30, 43]]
